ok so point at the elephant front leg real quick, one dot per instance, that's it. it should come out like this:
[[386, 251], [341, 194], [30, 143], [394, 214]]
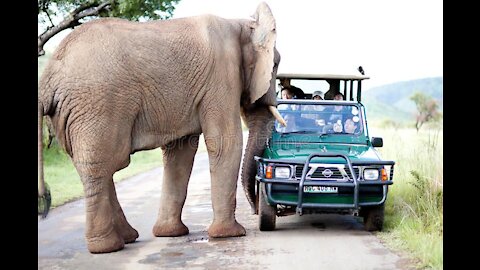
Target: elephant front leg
[[178, 162], [224, 154]]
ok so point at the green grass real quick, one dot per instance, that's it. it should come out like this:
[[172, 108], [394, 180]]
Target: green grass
[[61, 176], [414, 208]]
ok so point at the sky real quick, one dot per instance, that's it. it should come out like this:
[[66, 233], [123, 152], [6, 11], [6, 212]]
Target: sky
[[394, 40]]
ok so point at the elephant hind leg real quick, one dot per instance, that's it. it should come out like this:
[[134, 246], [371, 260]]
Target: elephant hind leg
[[101, 233], [97, 156], [178, 162], [121, 224]]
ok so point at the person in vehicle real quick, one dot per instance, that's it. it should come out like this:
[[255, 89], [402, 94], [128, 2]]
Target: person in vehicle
[[297, 93], [336, 118], [350, 126], [317, 95], [287, 93], [333, 90], [297, 122], [338, 96], [337, 109], [291, 126]]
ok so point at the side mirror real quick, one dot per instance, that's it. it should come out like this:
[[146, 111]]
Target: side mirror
[[377, 142]]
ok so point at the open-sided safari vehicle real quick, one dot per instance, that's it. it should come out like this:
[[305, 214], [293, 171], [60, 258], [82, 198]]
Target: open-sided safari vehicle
[[323, 160]]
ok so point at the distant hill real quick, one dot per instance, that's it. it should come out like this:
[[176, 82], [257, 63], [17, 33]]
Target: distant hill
[[392, 101]]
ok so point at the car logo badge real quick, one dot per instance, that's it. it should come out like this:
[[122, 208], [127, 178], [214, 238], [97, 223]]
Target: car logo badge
[[327, 173]]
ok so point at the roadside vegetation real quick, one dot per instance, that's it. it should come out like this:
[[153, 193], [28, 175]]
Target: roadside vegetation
[[414, 208]]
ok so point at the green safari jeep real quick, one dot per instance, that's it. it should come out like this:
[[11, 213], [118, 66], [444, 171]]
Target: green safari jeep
[[323, 160]]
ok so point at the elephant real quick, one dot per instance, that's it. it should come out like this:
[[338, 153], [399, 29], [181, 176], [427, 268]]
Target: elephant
[[114, 87]]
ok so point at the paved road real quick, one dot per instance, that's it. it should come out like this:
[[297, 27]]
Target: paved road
[[307, 242]]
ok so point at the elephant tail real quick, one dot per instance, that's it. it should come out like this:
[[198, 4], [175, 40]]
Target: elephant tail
[[44, 197]]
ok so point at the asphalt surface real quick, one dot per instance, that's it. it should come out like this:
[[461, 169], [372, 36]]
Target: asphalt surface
[[299, 242]]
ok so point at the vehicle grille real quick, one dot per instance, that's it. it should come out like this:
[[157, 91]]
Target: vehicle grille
[[317, 174]]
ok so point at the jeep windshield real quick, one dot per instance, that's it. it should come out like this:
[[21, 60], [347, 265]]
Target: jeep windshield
[[322, 117]]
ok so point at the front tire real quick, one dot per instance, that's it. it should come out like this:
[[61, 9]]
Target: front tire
[[266, 213], [373, 217]]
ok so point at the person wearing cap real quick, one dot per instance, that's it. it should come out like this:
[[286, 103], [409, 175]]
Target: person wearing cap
[[317, 95]]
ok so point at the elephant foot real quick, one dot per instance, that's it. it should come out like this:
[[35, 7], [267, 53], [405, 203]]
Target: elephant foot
[[129, 234], [218, 230], [105, 244], [124, 228], [170, 229]]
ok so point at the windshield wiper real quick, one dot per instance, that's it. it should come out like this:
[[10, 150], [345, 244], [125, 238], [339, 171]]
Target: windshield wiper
[[297, 132], [322, 135]]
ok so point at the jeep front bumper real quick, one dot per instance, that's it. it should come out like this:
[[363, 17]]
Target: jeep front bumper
[[354, 183]]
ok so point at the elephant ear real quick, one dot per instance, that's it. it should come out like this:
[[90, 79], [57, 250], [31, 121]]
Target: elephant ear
[[263, 40]]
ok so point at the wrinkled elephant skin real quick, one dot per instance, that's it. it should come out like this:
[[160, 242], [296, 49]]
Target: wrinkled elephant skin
[[115, 87]]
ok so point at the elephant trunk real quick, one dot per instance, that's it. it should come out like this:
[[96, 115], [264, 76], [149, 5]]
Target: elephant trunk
[[259, 122], [44, 198]]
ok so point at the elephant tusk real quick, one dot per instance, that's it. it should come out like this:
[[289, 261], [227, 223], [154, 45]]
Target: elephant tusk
[[277, 115]]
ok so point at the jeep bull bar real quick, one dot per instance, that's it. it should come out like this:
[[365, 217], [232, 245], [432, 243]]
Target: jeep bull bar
[[303, 181]]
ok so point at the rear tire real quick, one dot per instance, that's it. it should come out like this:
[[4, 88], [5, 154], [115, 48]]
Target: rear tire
[[373, 217], [267, 214]]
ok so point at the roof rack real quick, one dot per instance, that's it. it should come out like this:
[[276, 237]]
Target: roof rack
[[349, 90], [305, 76]]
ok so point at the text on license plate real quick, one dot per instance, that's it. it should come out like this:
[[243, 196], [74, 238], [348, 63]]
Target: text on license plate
[[320, 189]]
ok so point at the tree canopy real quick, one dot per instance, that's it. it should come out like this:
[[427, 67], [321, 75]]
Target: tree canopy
[[76, 12]]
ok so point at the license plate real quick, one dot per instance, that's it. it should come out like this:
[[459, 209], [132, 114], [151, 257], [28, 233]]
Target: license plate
[[320, 189]]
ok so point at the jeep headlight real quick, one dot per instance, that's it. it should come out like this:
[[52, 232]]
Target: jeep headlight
[[282, 172], [370, 174]]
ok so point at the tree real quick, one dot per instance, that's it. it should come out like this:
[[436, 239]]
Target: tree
[[76, 12], [427, 109]]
